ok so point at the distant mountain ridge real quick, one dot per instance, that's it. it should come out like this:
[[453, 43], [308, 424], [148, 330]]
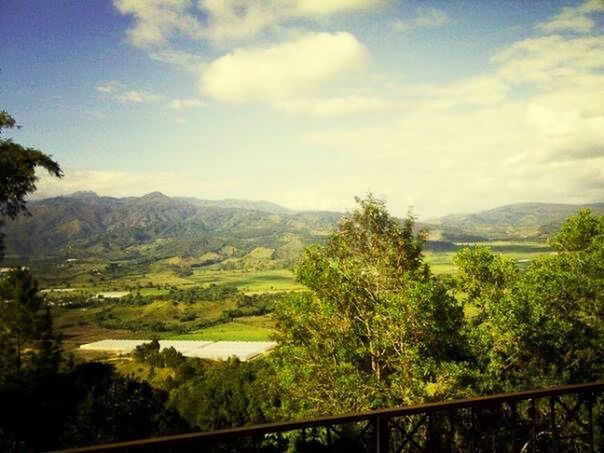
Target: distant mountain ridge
[[252, 205], [518, 220], [263, 206], [156, 226]]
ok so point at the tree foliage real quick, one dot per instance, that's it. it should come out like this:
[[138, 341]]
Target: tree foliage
[[377, 328], [18, 174], [90, 403], [150, 353], [25, 324], [542, 326], [222, 395], [578, 232], [112, 407]]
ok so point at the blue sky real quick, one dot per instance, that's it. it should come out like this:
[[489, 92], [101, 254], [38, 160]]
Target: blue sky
[[446, 106]]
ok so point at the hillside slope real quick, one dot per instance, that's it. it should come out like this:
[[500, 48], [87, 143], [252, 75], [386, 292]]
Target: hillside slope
[[157, 226], [233, 232], [514, 221]]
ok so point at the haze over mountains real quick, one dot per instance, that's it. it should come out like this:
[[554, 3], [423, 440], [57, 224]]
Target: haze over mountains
[[156, 226], [513, 221]]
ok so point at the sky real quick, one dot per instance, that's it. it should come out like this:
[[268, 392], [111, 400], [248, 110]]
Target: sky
[[442, 106]]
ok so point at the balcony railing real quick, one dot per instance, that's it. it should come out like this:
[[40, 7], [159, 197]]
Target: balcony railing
[[567, 418]]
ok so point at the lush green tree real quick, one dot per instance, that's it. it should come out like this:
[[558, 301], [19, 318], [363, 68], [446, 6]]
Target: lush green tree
[[578, 232], [483, 275], [170, 358], [90, 403], [148, 352], [18, 174], [377, 328], [223, 395], [25, 323], [542, 326], [111, 407]]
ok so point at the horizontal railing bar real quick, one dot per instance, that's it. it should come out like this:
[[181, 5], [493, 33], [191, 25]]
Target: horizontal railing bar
[[243, 432]]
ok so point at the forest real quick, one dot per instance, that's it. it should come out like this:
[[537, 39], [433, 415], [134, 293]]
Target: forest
[[373, 317]]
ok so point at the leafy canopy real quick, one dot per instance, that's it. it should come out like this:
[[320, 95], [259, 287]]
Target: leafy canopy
[[18, 174], [376, 329], [27, 339], [543, 326], [578, 232]]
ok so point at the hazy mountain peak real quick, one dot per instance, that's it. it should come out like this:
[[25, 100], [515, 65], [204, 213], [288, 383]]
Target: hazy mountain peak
[[517, 220], [235, 203], [83, 194], [155, 196]]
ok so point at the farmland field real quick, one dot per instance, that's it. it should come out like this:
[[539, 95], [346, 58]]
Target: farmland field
[[522, 252], [164, 315], [232, 331], [155, 280], [250, 281]]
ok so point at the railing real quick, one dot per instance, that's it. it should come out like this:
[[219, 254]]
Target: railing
[[568, 418]]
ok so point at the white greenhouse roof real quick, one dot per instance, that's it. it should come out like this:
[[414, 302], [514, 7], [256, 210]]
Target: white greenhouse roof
[[215, 350]]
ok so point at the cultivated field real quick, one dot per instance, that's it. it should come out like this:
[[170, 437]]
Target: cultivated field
[[522, 252], [233, 331], [160, 314]]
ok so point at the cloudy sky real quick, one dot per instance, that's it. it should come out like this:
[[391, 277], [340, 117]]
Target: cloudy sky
[[446, 106]]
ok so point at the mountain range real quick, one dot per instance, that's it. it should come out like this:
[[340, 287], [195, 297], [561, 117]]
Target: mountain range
[[156, 226], [514, 221]]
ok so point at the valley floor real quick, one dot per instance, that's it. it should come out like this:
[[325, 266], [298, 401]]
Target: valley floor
[[160, 302]]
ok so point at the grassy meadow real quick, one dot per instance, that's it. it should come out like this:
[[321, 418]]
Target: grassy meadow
[[231, 331], [200, 319], [521, 252]]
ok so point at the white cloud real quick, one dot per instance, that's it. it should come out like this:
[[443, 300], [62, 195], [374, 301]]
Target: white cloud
[[117, 91], [475, 91], [425, 18], [491, 156], [574, 18], [108, 87], [181, 104], [550, 61], [531, 128], [126, 183], [137, 96], [335, 106], [289, 70], [286, 74], [156, 21], [185, 60], [238, 19]]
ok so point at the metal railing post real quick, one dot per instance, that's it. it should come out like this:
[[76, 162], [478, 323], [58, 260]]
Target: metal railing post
[[533, 415], [590, 421], [552, 416], [381, 435]]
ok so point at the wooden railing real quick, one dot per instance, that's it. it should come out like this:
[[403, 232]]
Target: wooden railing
[[567, 418]]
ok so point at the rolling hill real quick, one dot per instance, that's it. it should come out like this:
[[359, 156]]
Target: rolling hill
[[156, 226], [514, 221], [236, 233]]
